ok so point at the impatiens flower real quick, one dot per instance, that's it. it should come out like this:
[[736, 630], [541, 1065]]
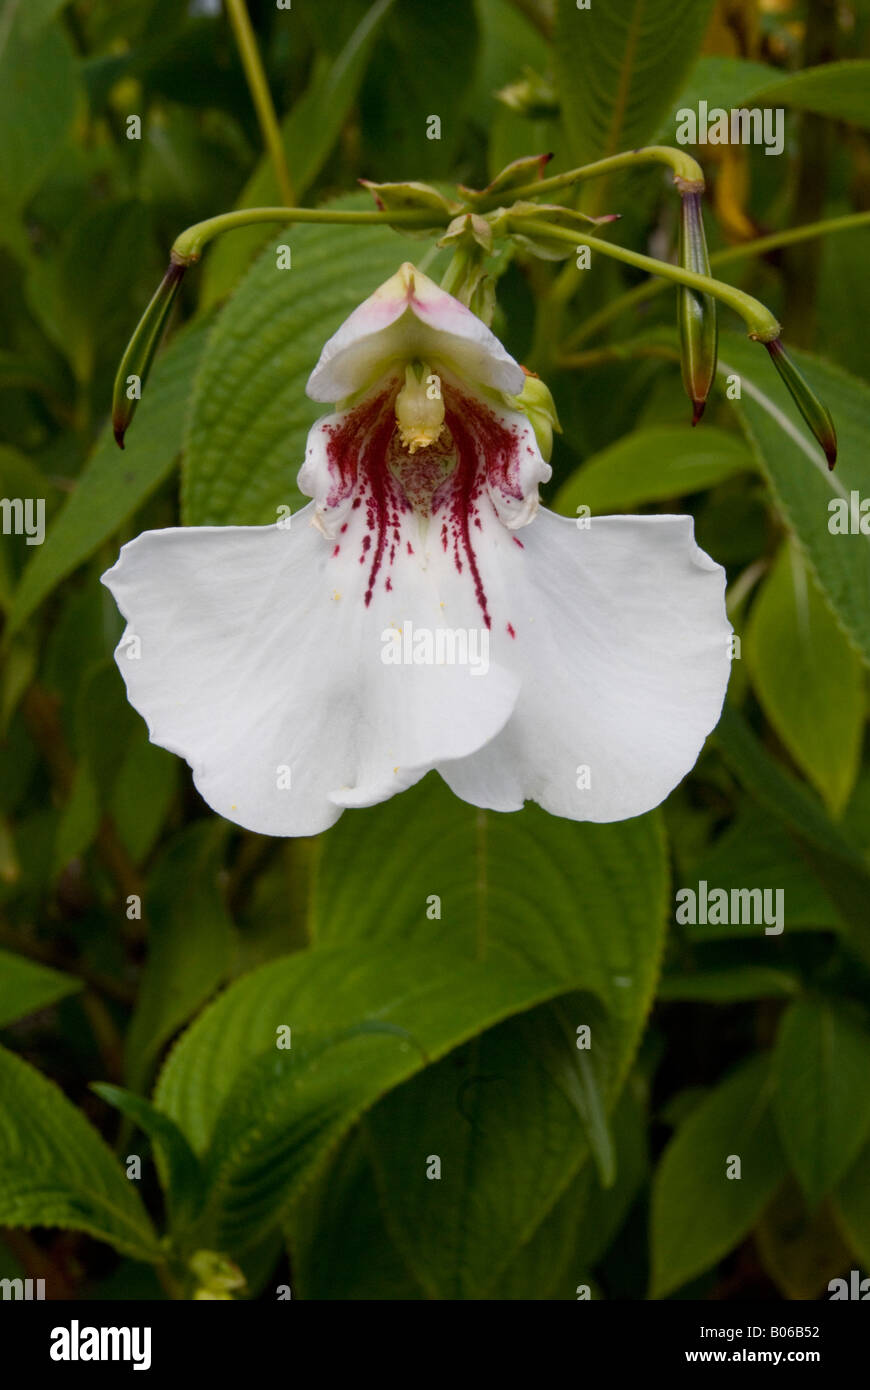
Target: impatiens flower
[[422, 612]]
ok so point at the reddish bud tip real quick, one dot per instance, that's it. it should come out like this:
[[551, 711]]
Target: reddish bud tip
[[698, 408]]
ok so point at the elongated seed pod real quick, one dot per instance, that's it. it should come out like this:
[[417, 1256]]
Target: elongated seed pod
[[696, 312], [816, 414], [139, 354]]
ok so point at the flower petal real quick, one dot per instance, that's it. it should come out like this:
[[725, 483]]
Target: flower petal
[[410, 317], [619, 636], [258, 656]]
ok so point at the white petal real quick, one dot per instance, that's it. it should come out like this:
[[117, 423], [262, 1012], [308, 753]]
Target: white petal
[[623, 649], [259, 653], [410, 317]]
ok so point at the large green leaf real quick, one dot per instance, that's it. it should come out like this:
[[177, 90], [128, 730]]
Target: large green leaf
[[800, 1249], [651, 465], [799, 480], [250, 416], [699, 1213], [419, 70], [38, 89], [508, 1139], [189, 939], [113, 484], [55, 1170], [808, 678], [833, 853], [757, 849], [308, 134], [840, 90], [26, 986], [821, 1066], [619, 65], [851, 1203], [470, 920], [177, 1164]]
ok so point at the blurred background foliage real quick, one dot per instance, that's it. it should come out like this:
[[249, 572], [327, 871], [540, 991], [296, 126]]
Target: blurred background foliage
[[421, 1030]]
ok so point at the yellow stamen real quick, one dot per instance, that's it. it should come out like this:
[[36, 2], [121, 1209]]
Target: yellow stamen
[[419, 409]]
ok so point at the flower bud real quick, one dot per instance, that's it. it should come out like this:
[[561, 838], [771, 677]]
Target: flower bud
[[517, 174], [136, 362], [418, 197], [533, 96], [696, 312], [817, 415], [555, 249], [217, 1276]]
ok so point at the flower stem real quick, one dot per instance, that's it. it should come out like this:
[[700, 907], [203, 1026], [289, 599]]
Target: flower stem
[[686, 170], [188, 244], [760, 321], [249, 53], [617, 307]]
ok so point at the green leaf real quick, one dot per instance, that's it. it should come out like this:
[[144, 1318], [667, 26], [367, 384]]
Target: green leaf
[[190, 939], [801, 1250], [757, 849], [113, 485], [308, 134], [418, 69], [834, 856], [807, 677], [340, 1247], [509, 1141], [26, 987], [177, 1164], [839, 90], [80, 819], [582, 1224], [250, 415], [652, 465], [851, 1204], [55, 1170], [822, 1101], [698, 1212], [619, 66], [143, 795], [38, 90], [794, 467], [530, 908]]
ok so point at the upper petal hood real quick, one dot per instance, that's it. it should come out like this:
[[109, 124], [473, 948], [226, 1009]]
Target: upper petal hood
[[410, 316]]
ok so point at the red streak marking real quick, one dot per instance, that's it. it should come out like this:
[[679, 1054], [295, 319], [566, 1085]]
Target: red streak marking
[[517, 541], [510, 629]]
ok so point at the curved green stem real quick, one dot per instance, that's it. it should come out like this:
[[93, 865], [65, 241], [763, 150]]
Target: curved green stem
[[759, 320], [249, 53], [685, 169], [188, 244], [617, 307]]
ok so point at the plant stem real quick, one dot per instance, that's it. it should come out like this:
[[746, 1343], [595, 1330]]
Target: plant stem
[[684, 167], [617, 307], [760, 321], [188, 244], [249, 53]]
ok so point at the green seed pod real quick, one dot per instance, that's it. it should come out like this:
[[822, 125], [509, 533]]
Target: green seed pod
[[137, 359], [817, 415], [696, 312]]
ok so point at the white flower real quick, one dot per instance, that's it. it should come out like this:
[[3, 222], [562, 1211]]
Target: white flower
[[262, 655]]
